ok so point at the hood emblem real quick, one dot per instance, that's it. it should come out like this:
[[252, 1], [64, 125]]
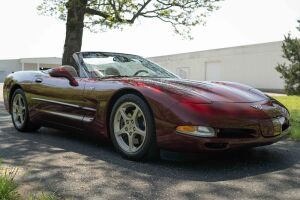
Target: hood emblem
[[257, 106]]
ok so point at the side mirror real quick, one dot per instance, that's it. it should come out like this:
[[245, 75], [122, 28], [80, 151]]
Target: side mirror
[[63, 72]]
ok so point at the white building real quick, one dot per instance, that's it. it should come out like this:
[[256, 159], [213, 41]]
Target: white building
[[253, 65], [13, 65]]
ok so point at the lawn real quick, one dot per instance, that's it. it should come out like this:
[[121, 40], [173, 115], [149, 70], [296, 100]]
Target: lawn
[[293, 104]]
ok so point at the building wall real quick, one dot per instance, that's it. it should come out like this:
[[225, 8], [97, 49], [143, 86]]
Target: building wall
[[8, 66], [253, 65], [13, 65], [48, 65], [30, 66]]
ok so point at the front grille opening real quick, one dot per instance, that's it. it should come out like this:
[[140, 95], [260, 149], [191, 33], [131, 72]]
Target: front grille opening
[[216, 145], [237, 133]]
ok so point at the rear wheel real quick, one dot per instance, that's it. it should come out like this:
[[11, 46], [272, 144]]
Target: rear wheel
[[19, 113], [132, 128]]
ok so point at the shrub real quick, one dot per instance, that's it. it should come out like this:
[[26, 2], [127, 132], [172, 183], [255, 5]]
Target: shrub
[[291, 71]]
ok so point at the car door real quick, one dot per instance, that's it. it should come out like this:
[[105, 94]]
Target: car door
[[96, 94], [56, 101]]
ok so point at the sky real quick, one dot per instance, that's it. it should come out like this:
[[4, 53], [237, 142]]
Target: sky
[[24, 33]]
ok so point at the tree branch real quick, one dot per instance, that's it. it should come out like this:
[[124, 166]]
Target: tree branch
[[139, 11], [96, 12]]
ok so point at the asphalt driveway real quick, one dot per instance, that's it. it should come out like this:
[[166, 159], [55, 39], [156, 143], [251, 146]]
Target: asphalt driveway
[[77, 167]]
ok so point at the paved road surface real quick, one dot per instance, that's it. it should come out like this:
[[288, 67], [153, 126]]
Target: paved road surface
[[1, 93], [75, 167]]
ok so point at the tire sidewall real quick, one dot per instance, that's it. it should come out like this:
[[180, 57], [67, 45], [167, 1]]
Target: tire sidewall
[[150, 138]]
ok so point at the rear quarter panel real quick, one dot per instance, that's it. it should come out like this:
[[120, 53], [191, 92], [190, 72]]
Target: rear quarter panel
[[21, 79]]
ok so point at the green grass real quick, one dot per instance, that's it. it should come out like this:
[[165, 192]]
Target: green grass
[[8, 188], [293, 104], [43, 196]]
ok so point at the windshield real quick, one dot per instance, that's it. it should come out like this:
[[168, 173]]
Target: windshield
[[110, 65]]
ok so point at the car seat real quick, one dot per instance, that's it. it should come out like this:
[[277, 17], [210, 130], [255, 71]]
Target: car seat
[[111, 71]]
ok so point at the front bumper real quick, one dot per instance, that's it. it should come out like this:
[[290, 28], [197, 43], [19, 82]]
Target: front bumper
[[187, 143], [256, 127]]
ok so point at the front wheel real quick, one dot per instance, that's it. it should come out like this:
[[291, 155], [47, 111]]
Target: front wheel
[[19, 113], [132, 128]]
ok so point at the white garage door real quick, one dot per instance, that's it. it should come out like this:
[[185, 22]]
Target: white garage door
[[213, 71]]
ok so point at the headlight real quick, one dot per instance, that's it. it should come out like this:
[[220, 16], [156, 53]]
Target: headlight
[[282, 109], [201, 131]]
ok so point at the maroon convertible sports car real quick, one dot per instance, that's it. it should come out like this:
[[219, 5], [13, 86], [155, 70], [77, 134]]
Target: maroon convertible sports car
[[142, 107]]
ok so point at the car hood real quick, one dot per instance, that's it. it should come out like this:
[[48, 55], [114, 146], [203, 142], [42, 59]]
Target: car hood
[[219, 91]]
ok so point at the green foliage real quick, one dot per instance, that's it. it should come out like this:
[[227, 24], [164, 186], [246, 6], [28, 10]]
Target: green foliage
[[291, 71], [293, 104], [101, 15], [8, 188], [55, 8]]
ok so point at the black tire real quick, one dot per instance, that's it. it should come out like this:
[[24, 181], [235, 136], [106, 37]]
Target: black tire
[[27, 125], [148, 149]]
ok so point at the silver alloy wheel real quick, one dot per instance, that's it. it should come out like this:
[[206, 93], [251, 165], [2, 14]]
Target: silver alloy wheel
[[18, 110], [130, 127]]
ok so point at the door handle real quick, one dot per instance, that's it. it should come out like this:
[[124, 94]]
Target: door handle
[[38, 80]]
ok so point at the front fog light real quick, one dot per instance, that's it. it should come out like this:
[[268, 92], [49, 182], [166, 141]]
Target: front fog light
[[201, 131]]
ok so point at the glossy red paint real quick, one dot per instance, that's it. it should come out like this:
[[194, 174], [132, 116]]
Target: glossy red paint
[[62, 72], [56, 101]]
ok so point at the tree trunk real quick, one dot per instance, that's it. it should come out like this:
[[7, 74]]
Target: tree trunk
[[74, 30]]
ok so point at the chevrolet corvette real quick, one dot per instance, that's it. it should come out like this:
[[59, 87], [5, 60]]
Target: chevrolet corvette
[[142, 108]]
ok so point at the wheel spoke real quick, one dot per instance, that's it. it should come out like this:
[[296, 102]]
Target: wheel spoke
[[130, 143], [22, 103], [15, 115], [15, 109], [135, 112], [22, 109], [21, 118], [140, 132], [123, 114], [121, 131], [19, 100], [15, 104]]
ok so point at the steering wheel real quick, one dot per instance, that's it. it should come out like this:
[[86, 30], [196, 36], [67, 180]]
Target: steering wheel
[[140, 71]]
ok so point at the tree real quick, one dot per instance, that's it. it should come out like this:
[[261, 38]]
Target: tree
[[100, 15], [290, 71]]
